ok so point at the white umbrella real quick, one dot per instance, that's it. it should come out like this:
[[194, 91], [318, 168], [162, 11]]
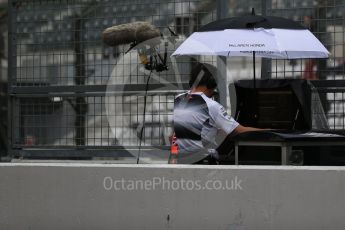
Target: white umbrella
[[268, 43], [254, 35]]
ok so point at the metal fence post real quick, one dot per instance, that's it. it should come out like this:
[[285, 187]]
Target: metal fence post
[[11, 71], [222, 12], [266, 64]]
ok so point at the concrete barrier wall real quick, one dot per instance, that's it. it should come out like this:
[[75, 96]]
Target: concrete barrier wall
[[101, 196]]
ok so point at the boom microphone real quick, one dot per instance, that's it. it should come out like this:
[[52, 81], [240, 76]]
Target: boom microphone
[[142, 36], [134, 32]]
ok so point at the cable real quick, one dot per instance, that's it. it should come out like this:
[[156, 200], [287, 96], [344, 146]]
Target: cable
[[144, 114]]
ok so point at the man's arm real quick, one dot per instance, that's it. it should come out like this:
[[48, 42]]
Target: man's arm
[[241, 129], [227, 123]]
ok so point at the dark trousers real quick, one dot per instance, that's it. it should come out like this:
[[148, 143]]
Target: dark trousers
[[227, 146]]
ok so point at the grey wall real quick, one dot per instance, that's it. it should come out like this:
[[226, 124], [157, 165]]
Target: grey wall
[[74, 196]]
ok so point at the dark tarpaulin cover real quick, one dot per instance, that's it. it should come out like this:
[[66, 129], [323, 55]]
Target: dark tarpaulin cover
[[300, 88], [303, 91]]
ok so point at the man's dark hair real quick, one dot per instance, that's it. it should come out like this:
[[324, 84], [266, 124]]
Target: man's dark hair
[[203, 75]]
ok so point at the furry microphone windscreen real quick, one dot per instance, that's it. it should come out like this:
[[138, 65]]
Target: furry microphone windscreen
[[129, 32]]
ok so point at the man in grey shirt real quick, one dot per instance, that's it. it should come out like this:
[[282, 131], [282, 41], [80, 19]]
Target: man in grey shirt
[[198, 119]]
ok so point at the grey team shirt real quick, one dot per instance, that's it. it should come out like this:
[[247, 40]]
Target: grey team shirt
[[197, 120]]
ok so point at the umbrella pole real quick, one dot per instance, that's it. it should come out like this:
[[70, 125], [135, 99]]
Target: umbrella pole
[[254, 87], [254, 70]]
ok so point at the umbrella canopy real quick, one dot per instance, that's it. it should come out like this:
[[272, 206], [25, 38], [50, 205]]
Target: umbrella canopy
[[268, 43], [263, 36], [254, 35]]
